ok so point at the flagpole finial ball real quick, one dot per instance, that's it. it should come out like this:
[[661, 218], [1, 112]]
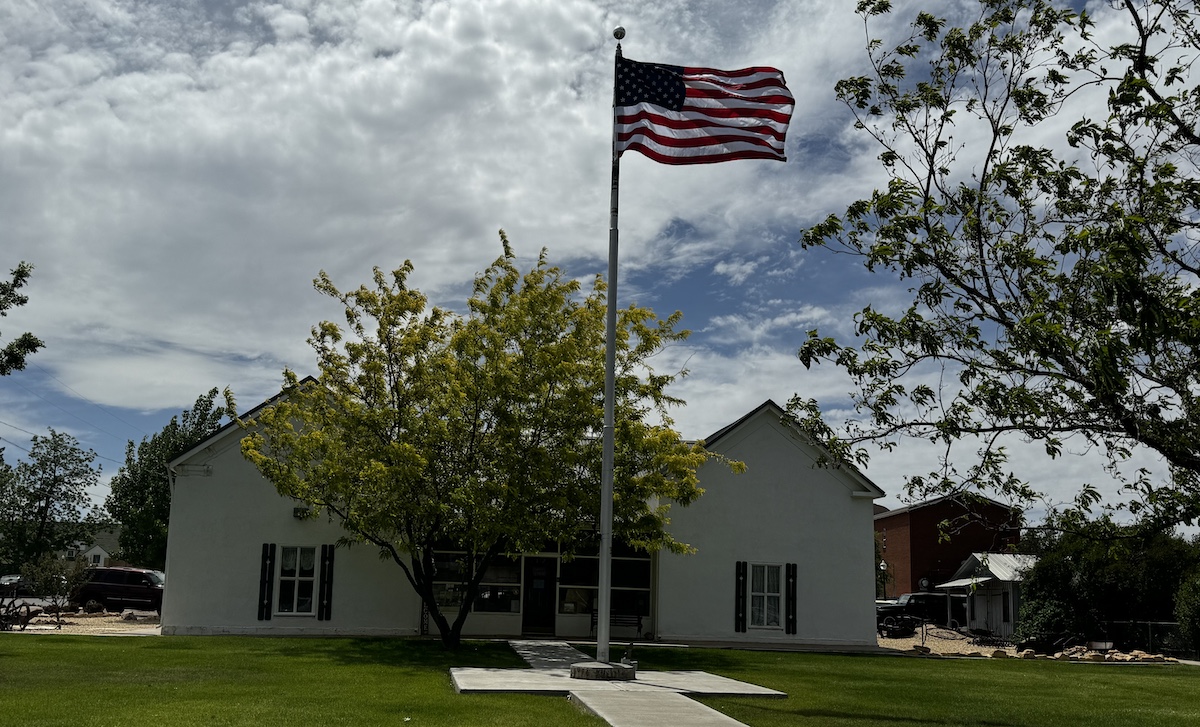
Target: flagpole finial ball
[[618, 32]]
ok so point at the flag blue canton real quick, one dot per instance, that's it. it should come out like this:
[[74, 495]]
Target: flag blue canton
[[655, 83]]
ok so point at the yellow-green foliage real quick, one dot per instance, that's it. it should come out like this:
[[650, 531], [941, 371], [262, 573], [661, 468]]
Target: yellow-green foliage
[[425, 427]]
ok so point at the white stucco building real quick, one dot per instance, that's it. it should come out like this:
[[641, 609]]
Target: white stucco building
[[785, 556]]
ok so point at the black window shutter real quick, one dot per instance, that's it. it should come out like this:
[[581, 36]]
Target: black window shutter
[[790, 624], [266, 582], [325, 588], [739, 598]]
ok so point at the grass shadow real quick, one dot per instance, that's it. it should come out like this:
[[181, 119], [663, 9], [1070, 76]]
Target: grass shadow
[[427, 653], [413, 653]]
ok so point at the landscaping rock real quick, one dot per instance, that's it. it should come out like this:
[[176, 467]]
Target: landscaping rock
[[130, 614], [999, 654]]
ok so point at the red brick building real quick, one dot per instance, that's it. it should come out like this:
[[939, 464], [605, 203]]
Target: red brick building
[[914, 546]]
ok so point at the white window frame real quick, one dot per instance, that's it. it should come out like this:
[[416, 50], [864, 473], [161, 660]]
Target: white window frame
[[766, 595], [296, 579]]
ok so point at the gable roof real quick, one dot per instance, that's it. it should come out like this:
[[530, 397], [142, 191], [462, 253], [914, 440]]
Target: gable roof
[[770, 407], [109, 539], [1004, 567], [939, 500], [230, 425]]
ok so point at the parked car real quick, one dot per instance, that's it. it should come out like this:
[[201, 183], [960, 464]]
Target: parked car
[[914, 607], [117, 588], [13, 586]]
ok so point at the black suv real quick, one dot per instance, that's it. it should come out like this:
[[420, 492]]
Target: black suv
[[914, 607], [120, 588]]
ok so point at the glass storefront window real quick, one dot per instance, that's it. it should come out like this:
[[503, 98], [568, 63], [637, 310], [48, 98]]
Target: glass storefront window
[[498, 599]]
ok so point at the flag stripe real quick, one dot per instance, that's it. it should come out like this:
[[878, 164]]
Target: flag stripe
[[716, 110], [670, 155], [749, 125], [760, 87], [741, 73], [712, 116], [696, 115], [750, 100], [694, 139], [756, 87]]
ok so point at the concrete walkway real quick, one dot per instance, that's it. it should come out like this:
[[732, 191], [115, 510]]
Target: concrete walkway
[[656, 698]]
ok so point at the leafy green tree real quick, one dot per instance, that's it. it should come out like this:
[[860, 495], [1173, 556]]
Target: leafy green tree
[[480, 432], [13, 353], [140, 499], [1091, 573], [9, 513], [1187, 609], [44, 504], [1042, 204], [55, 580]]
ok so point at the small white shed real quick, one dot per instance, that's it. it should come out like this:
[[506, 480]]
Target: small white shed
[[992, 583]]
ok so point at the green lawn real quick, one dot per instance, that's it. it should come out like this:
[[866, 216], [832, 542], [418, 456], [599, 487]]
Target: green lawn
[[87, 681], [90, 681], [889, 690]]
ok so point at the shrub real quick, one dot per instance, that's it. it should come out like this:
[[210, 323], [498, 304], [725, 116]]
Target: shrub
[[1187, 610]]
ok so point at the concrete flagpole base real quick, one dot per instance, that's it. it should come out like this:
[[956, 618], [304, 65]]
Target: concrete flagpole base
[[598, 671]]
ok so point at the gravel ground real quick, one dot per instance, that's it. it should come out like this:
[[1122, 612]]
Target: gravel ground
[[941, 641], [104, 624], [938, 640]]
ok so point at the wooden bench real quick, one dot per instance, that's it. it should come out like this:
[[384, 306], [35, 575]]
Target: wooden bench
[[621, 619]]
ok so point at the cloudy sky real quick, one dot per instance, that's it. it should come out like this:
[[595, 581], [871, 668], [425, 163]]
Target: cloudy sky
[[178, 171]]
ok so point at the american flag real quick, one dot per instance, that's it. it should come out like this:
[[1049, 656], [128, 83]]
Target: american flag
[[684, 115]]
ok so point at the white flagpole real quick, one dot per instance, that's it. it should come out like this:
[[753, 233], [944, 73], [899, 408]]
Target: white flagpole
[[604, 595]]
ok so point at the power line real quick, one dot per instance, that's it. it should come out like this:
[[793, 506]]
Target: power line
[[13, 426], [26, 451], [99, 456], [81, 396], [34, 434], [71, 414]]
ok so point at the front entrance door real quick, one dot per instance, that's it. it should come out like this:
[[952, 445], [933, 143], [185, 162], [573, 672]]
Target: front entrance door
[[540, 586]]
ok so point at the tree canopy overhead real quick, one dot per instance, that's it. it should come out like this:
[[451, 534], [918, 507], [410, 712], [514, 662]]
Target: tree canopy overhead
[[479, 432], [1042, 203]]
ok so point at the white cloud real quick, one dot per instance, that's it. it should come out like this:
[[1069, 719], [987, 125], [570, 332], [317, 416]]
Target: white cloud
[[179, 171], [738, 271]]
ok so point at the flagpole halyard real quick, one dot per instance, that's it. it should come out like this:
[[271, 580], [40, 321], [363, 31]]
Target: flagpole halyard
[[604, 591]]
